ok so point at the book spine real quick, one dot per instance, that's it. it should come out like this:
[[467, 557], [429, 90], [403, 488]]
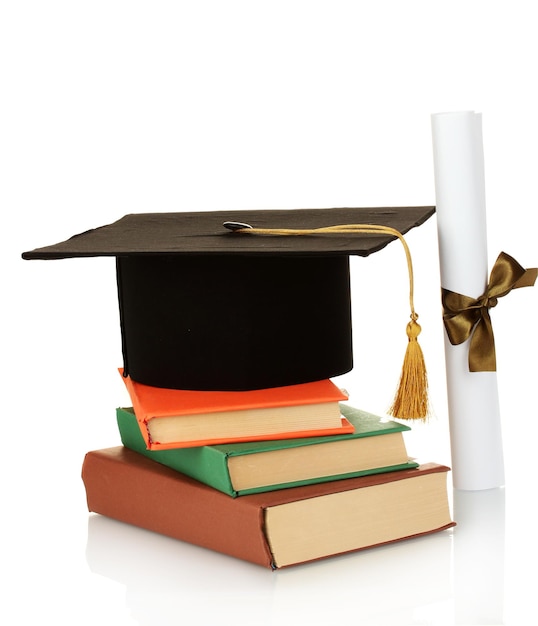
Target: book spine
[[131, 488]]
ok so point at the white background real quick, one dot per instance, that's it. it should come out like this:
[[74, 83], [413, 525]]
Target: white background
[[108, 108]]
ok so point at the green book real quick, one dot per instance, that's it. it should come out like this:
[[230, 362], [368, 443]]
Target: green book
[[377, 445]]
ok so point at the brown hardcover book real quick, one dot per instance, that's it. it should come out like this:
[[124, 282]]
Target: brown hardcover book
[[274, 529]]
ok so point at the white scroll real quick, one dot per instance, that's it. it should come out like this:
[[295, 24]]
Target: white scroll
[[473, 401]]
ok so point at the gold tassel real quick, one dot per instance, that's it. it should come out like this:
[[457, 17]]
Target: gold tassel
[[411, 399]]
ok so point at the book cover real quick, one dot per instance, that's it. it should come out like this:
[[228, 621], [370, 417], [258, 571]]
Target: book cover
[[342, 456], [173, 418], [273, 529]]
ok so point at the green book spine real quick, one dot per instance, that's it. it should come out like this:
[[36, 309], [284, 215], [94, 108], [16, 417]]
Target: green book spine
[[209, 464]]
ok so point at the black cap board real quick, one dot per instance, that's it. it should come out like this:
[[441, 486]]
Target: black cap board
[[205, 308]]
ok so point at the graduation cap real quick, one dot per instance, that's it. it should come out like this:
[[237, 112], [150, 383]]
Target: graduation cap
[[235, 300]]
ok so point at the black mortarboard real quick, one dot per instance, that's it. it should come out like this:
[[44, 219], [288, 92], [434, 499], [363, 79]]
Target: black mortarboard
[[205, 308]]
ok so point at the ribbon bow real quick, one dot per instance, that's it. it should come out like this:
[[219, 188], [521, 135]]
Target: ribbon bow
[[466, 317]]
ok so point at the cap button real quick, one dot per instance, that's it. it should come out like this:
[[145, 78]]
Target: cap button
[[233, 226]]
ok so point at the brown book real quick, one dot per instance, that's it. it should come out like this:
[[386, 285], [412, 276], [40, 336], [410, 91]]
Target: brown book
[[274, 529]]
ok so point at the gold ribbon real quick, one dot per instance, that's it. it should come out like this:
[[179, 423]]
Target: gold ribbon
[[466, 317]]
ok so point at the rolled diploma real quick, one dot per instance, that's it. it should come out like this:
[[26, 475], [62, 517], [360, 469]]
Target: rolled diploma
[[473, 400]]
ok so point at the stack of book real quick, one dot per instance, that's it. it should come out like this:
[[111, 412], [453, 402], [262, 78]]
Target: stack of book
[[276, 476]]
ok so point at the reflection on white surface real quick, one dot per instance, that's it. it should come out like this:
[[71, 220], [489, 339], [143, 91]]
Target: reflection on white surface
[[451, 577], [479, 556], [383, 585]]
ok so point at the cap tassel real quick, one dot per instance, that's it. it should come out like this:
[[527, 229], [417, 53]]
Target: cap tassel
[[411, 399]]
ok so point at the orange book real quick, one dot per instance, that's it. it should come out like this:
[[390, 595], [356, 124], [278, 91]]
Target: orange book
[[178, 418]]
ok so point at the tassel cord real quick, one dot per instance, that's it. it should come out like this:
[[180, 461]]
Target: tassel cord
[[373, 229]]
